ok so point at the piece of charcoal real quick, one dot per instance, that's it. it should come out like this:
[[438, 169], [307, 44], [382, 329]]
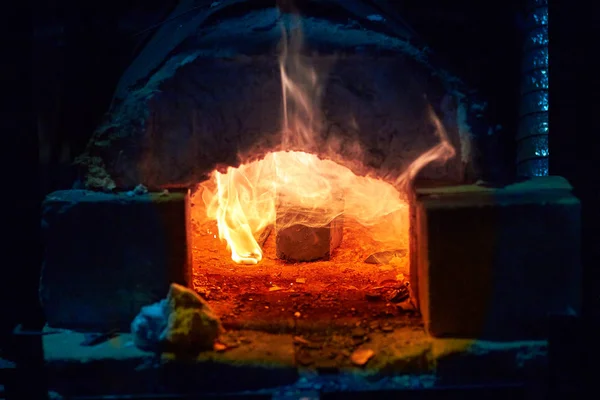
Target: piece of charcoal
[[384, 257]]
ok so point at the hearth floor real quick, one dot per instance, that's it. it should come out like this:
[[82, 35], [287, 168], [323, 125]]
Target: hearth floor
[[254, 361], [340, 294]]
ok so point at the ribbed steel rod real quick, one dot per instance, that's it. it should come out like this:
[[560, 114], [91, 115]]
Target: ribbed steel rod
[[532, 136]]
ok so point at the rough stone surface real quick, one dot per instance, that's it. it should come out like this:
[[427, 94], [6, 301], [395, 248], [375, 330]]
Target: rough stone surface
[[495, 263], [257, 19], [265, 361], [215, 99], [119, 367], [183, 323], [107, 255], [191, 324]]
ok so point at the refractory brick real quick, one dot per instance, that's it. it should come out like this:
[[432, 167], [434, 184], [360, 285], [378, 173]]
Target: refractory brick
[[107, 255], [496, 263]]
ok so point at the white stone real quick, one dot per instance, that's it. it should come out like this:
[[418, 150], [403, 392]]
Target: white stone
[[181, 323]]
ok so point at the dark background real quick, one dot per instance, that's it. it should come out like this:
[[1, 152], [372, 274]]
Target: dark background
[[79, 49]]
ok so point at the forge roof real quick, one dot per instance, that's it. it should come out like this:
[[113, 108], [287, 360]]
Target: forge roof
[[231, 28]]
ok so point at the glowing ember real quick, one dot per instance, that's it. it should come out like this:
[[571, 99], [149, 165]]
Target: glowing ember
[[244, 201]]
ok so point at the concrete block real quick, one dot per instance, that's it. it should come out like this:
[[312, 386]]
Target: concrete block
[[107, 255], [495, 263], [114, 369], [297, 241], [304, 243]]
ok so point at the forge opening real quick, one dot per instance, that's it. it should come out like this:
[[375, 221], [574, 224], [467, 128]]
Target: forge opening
[[295, 242]]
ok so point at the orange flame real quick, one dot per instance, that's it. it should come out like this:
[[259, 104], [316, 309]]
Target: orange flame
[[300, 186]]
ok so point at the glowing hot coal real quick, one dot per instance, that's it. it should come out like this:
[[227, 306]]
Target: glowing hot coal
[[245, 200]]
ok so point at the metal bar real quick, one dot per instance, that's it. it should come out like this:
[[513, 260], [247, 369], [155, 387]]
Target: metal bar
[[533, 153]]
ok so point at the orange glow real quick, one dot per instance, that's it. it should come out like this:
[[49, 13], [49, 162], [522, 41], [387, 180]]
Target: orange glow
[[246, 200], [300, 186]]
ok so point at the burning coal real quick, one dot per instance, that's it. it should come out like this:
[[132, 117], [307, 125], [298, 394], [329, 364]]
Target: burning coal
[[246, 200]]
